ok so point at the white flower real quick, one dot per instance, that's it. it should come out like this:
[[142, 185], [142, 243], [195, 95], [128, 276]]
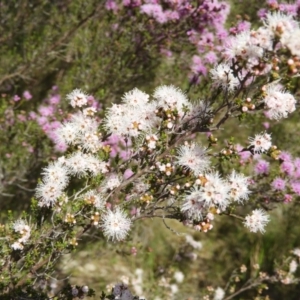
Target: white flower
[[238, 187], [20, 226], [293, 266], [195, 244], [290, 39], [242, 46], [17, 246], [56, 172], [126, 120], [24, 230], [171, 98], [278, 23], [89, 111], [174, 288], [66, 134], [96, 166], [296, 252], [77, 98], [261, 142], [179, 276], [48, 192], [112, 182], [94, 198], [193, 204], [77, 164], [151, 140], [193, 157], [278, 102], [215, 191], [223, 76], [115, 224], [135, 98], [262, 37], [257, 221], [219, 294]]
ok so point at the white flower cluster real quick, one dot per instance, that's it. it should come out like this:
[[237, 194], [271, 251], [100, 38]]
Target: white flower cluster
[[57, 174], [77, 98], [80, 131], [135, 115], [138, 115], [213, 192], [249, 50], [251, 45], [24, 230], [278, 102]]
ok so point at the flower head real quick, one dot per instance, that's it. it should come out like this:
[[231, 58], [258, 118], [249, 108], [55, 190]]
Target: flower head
[[193, 157], [261, 142], [77, 98], [278, 102], [223, 76], [257, 221], [238, 186], [219, 294], [115, 224], [170, 97]]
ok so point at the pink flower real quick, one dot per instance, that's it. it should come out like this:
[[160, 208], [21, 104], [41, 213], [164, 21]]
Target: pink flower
[[27, 95], [128, 173], [288, 198], [287, 167], [278, 184], [16, 98], [262, 167], [296, 187]]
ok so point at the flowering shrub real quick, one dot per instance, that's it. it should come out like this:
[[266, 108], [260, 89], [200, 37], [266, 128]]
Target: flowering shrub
[[162, 156]]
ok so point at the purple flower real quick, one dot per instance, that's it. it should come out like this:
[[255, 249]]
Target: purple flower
[[262, 13], [287, 167], [128, 173], [211, 57], [297, 162], [32, 115], [266, 125], [296, 187], [262, 167], [278, 184], [55, 99], [288, 198], [111, 5], [244, 155], [155, 11], [16, 98], [27, 95], [297, 173], [61, 147], [132, 3], [46, 111], [285, 156]]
